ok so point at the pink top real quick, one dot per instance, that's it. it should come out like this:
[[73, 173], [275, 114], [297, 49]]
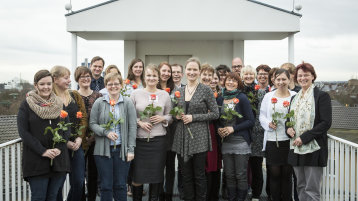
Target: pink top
[[141, 99]]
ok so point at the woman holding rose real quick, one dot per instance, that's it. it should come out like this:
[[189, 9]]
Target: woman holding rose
[[274, 107], [42, 109], [312, 119], [74, 105], [235, 132], [192, 136], [113, 122], [152, 108]]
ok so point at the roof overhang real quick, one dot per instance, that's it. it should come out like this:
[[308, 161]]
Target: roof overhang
[[183, 20]]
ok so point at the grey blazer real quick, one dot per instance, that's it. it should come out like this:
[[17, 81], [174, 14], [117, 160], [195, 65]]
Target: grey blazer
[[99, 115], [203, 108]]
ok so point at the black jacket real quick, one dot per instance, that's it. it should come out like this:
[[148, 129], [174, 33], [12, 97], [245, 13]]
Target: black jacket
[[243, 126], [322, 122], [31, 130]]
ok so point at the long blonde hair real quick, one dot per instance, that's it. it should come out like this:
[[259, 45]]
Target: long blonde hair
[[57, 72]]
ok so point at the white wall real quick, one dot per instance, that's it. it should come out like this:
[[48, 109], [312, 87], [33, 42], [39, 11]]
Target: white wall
[[212, 52]]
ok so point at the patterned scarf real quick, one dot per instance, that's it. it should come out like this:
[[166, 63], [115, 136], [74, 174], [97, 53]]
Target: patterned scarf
[[304, 108], [45, 109], [229, 94]]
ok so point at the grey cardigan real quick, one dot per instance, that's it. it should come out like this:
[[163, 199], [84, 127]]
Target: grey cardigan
[[99, 115], [203, 108]]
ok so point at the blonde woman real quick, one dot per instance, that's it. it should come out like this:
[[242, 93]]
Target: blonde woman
[[72, 104]]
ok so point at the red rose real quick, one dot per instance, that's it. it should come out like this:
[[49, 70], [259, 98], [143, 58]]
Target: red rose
[[273, 100], [257, 87], [134, 86], [177, 94], [127, 81], [79, 115], [112, 102], [167, 90], [215, 94], [63, 114], [286, 103], [236, 100], [153, 96]]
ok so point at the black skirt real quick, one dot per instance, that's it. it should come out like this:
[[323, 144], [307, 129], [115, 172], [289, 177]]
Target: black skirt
[[149, 160], [277, 155]]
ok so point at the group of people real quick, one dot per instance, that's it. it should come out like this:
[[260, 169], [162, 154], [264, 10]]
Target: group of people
[[123, 133]]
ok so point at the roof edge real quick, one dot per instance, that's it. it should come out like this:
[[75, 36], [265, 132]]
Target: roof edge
[[274, 7], [91, 7]]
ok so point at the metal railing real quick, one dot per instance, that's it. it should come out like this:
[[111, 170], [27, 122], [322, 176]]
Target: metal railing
[[340, 175], [12, 185]]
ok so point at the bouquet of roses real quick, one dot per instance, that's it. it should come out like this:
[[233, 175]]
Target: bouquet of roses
[[150, 110], [113, 122], [229, 112], [78, 128], [178, 111], [57, 138], [277, 115]]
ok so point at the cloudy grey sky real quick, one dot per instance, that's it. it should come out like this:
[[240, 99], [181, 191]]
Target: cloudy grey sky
[[33, 36]]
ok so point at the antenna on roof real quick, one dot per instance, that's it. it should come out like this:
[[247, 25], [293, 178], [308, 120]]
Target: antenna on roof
[[298, 7], [68, 7]]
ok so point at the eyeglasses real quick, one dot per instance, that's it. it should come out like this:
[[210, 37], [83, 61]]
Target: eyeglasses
[[85, 77], [262, 74], [113, 84], [237, 66]]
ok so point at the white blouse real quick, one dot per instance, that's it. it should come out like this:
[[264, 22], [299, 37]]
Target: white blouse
[[265, 118]]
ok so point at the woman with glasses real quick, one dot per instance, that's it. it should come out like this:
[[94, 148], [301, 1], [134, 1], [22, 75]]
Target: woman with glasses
[[83, 78], [113, 121]]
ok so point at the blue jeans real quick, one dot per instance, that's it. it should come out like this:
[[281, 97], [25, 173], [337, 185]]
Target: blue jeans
[[77, 175], [113, 174], [43, 188]]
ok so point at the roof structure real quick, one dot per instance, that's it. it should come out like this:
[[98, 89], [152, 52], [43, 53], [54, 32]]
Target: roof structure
[[183, 20]]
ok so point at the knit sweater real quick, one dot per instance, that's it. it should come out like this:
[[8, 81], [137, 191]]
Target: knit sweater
[[100, 115]]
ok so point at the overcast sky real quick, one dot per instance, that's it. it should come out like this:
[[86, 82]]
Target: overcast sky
[[33, 36]]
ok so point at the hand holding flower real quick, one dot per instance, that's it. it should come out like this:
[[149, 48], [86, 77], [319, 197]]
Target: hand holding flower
[[145, 125], [272, 125], [291, 132], [51, 153], [156, 119], [187, 118], [112, 136]]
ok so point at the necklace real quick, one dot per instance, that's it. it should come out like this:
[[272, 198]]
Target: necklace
[[193, 89]]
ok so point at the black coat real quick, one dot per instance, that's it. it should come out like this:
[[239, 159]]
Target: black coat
[[243, 126], [322, 122], [31, 130]]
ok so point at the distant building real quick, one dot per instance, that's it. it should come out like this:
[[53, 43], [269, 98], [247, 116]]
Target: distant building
[[15, 83]]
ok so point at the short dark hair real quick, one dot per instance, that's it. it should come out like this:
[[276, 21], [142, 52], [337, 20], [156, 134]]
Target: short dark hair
[[80, 70], [181, 66], [237, 78], [97, 58], [282, 71], [271, 73], [41, 74], [223, 67], [306, 67], [264, 67]]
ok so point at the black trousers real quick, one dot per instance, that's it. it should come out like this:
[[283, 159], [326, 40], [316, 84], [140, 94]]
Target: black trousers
[[169, 172], [194, 179], [213, 182], [257, 176]]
